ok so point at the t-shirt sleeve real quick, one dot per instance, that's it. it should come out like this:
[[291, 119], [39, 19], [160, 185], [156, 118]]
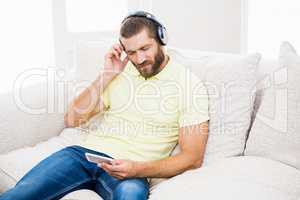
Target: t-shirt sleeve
[[194, 107]]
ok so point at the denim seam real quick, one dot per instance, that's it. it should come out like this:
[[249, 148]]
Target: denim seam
[[106, 187], [67, 188]]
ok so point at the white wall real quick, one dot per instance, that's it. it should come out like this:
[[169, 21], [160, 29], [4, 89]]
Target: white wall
[[202, 24], [26, 39], [213, 25]]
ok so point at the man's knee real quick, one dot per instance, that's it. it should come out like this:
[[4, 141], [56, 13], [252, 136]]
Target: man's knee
[[131, 189]]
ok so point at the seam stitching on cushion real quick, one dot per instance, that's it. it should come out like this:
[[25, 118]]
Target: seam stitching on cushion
[[6, 173]]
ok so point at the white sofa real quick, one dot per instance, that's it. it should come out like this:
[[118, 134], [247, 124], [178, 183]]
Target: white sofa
[[26, 138]]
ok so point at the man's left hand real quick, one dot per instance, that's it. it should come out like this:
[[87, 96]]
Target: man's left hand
[[120, 169]]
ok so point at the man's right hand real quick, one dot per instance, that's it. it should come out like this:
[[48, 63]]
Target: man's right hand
[[113, 64], [88, 103]]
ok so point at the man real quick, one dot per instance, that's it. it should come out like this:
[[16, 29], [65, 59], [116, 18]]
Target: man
[[149, 105]]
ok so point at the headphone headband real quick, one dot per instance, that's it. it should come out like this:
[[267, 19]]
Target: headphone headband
[[161, 30], [142, 14]]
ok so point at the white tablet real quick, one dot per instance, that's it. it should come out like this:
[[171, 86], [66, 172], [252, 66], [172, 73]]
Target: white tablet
[[98, 159]]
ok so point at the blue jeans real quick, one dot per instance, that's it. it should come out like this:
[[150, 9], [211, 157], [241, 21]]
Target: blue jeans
[[68, 170]]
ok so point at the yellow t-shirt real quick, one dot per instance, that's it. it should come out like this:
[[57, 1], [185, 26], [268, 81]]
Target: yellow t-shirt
[[143, 117]]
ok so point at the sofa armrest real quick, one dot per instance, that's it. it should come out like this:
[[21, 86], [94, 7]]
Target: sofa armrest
[[26, 117]]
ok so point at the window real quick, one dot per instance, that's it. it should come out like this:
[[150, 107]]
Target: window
[[95, 15], [270, 23], [26, 38]]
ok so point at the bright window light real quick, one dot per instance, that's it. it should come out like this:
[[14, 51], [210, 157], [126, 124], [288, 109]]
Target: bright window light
[[26, 38], [270, 23], [95, 15]]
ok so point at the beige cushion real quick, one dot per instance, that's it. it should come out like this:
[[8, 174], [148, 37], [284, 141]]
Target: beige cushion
[[230, 80], [82, 195], [276, 128], [14, 165], [234, 178], [26, 119]]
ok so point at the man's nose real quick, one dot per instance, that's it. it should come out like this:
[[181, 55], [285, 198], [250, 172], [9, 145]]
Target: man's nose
[[141, 58]]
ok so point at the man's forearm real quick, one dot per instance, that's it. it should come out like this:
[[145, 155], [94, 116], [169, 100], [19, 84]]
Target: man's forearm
[[82, 106], [168, 167]]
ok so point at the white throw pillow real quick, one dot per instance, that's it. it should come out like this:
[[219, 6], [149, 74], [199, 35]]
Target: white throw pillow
[[275, 132], [230, 80], [231, 88]]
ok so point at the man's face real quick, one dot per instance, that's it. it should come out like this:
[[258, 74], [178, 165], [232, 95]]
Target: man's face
[[144, 52]]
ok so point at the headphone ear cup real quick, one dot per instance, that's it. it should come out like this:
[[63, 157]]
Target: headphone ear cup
[[162, 35]]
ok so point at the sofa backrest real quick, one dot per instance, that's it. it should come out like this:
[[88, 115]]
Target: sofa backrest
[[89, 59]]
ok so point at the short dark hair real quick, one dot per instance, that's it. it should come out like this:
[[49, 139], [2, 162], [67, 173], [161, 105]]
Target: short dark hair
[[135, 25]]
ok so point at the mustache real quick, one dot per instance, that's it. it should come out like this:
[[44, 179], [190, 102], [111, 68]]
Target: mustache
[[147, 62]]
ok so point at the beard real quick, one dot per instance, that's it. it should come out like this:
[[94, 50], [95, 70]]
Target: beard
[[150, 68]]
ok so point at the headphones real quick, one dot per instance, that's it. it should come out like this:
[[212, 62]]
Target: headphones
[[161, 29]]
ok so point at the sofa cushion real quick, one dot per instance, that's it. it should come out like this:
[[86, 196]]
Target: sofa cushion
[[28, 115], [14, 165], [230, 81], [276, 128], [245, 177], [82, 195]]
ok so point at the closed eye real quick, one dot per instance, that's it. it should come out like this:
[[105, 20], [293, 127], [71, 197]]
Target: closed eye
[[145, 48], [130, 53]]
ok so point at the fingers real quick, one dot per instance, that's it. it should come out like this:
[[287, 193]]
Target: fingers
[[115, 53], [111, 171], [118, 176], [117, 162], [115, 50], [107, 167], [113, 60], [125, 61], [118, 48]]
